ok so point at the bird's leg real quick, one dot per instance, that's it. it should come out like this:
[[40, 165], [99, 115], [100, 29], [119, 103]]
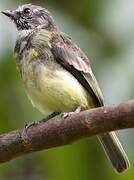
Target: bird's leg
[[27, 126], [66, 114], [77, 110], [49, 117]]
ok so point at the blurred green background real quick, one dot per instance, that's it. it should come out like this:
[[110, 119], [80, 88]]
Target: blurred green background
[[104, 30]]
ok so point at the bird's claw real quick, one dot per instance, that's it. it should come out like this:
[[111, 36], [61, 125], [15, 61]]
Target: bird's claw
[[27, 126], [78, 109], [67, 114]]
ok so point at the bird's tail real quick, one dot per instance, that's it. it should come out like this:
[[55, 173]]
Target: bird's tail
[[114, 151]]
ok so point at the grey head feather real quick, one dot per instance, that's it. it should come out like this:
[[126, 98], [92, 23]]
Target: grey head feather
[[30, 16]]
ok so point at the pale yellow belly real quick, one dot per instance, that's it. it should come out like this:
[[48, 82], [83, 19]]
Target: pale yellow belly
[[57, 91]]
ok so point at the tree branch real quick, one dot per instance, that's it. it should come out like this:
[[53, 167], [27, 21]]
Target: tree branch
[[59, 131]]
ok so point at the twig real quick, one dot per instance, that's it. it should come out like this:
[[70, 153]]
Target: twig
[[59, 131]]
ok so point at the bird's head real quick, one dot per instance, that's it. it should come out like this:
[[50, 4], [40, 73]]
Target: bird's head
[[30, 16]]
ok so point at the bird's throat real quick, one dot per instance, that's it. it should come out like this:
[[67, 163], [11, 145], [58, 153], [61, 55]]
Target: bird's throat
[[22, 42]]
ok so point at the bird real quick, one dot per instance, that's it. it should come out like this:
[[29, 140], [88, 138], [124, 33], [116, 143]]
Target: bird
[[56, 73]]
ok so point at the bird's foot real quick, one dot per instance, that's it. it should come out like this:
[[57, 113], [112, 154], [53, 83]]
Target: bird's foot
[[27, 126], [78, 109], [49, 117], [67, 114]]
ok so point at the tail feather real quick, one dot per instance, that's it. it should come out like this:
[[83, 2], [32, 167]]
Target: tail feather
[[114, 151]]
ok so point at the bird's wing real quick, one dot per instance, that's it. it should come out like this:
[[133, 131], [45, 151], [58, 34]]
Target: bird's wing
[[75, 61]]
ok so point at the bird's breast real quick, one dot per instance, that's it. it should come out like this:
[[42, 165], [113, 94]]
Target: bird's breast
[[53, 89]]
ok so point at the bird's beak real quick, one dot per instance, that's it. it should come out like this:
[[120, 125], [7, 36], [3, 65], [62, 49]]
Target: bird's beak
[[8, 13]]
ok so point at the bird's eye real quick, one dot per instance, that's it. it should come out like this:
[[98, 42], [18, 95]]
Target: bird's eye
[[27, 10]]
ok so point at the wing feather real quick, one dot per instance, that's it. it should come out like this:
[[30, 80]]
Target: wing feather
[[75, 61]]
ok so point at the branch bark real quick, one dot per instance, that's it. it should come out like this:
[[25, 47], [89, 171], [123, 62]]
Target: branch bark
[[59, 131]]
